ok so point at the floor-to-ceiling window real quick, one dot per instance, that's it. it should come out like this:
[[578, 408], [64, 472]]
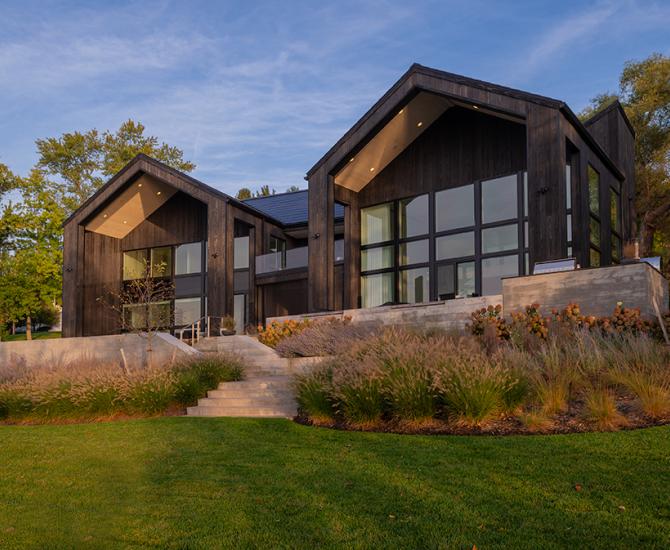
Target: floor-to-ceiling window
[[182, 266], [452, 243], [615, 222]]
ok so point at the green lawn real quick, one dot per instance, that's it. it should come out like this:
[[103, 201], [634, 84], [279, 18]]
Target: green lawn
[[210, 483], [36, 336]]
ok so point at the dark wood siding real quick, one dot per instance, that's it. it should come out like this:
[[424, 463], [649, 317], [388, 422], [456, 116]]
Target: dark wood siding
[[460, 147], [182, 219], [102, 276]]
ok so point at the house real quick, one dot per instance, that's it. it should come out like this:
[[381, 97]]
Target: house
[[445, 186]]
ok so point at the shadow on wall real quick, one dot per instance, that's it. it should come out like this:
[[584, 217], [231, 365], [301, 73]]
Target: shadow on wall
[[128, 350]]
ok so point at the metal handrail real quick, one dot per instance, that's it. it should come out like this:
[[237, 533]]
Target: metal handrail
[[195, 334]]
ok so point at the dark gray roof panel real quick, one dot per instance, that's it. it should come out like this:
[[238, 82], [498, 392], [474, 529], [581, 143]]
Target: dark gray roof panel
[[288, 208]]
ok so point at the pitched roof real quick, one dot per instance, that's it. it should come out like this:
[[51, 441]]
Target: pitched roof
[[289, 208], [473, 83]]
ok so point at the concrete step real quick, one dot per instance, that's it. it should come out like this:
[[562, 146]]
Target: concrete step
[[252, 393], [247, 412], [251, 402]]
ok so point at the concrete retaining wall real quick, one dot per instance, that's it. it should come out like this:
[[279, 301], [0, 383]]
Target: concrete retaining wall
[[103, 349], [596, 291], [451, 314]]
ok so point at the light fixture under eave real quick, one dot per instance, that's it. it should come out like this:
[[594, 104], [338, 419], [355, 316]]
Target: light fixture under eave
[[352, 159], [400, 111], [158, 192], [139, 185], [475, 107], [105, 215], [419, 124], [372, 169], [125, 221]]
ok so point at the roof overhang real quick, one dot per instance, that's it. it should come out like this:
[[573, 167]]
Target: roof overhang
[[131, 207]]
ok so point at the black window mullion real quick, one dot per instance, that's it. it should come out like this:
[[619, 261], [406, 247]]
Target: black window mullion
[[478, 238]]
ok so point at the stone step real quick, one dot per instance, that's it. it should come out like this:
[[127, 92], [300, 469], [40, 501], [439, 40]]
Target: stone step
[[251, 393], [251, 402], [250, 412], [268, 382]]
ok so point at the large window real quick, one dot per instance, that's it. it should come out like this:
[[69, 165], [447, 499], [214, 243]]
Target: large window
[[478, 234], [183, 265], [188, 259], [377, 224]]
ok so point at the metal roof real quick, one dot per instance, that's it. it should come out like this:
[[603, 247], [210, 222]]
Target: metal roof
[[289, 208]]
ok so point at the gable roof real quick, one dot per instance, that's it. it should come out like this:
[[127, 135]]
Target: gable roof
[[417, 69], [613, 106], [139, 165], [290, 208]]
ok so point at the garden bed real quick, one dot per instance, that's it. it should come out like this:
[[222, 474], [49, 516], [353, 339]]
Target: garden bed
[[522, 375]]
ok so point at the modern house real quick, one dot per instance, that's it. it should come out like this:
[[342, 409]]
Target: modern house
[[445, 186]]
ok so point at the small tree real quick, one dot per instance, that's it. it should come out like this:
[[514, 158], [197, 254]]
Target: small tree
[[143, 304]]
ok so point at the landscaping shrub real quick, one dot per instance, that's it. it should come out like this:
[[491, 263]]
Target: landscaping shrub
[[325, 337], [276, 331], [83, 389], [600, 408], [473, 391], [314, 395]]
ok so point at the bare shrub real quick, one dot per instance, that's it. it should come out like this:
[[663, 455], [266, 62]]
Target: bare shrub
[[327, 337]]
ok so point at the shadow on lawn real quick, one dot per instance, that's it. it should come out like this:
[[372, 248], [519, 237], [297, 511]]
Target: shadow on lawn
[[275, 484]]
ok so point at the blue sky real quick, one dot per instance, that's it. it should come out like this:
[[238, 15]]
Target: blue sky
[[255, 92]]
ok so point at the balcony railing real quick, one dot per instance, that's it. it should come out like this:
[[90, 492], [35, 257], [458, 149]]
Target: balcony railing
[[291, 259]]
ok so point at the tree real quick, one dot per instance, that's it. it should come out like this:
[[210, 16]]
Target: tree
[[293, 189], [244, 193], [32, 257], [644, 92], [143, 304], [82, 161], [264, 191]]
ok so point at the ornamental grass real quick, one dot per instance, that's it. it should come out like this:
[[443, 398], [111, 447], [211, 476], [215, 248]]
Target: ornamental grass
[[84, 389]]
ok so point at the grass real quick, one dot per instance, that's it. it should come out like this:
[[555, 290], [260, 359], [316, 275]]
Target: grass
[[242, 483], [36, 336]]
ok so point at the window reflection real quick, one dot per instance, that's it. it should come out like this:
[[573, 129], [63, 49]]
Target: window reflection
[[455, 208], [413, 217], [499, 199]]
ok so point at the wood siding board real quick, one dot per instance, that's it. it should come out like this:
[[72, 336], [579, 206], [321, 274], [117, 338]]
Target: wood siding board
[[546, 184]]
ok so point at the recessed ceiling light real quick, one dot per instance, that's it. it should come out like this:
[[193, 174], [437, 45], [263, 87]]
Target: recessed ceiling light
[[351, 159], [372, 169], [419, 124], [125, 221], [475, 107], [139, 185], [158, 192], [400, 111], [105, 215]]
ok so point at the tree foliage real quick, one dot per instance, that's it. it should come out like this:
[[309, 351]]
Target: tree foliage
[[83, 161], [644, 92], [70, 168]]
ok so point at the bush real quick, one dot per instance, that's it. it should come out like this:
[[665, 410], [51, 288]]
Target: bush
[[85, 390], [473, 391], [194, 378], [600, 409], [313, 393], [324, 337], [276, 331]]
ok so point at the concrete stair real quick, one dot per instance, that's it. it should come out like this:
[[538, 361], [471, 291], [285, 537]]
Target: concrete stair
[[266, 391]]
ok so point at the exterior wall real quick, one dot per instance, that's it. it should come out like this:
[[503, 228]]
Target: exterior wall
[[452, 314], [596, 291], [102, 349], [460, 147]]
